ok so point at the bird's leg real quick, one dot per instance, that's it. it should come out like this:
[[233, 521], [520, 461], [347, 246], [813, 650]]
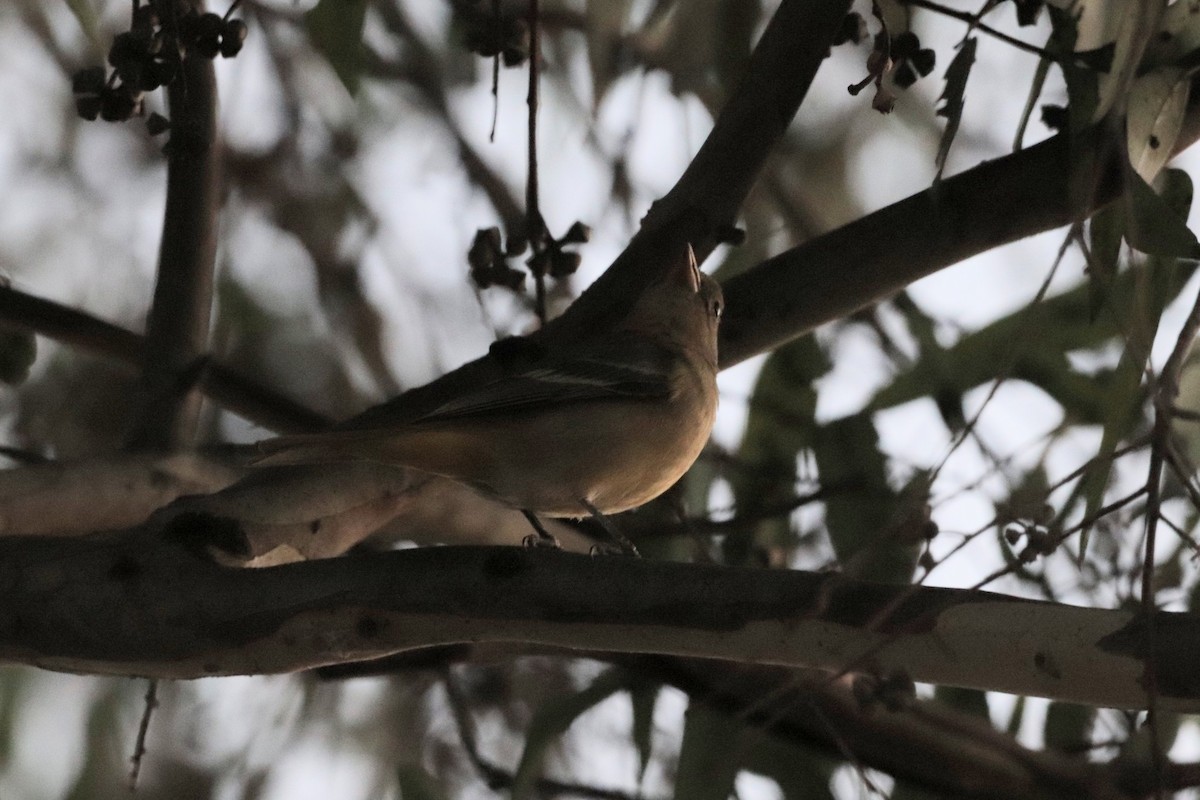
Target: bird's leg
[[621, 539], [542, 537]]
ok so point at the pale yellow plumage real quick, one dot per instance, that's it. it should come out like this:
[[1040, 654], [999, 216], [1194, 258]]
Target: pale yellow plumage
[[612, 422]]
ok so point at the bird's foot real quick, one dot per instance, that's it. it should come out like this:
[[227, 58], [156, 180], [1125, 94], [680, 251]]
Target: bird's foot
[[540, 536]]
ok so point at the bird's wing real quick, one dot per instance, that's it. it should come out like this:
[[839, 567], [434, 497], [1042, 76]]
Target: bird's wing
[[620, 367]]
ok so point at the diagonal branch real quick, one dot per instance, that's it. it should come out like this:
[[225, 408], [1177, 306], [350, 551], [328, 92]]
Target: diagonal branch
[[166, 412], [872, 258]]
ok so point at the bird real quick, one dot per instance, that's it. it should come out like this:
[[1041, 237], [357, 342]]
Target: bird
[[589, 427]]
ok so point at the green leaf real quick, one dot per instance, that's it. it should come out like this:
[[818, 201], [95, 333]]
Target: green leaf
[[953, 97], [606, 20], [802, 774], [552, 720], [335, 28], [1068, 727], [1017, 717], [86, 16], [18, 351], [710, 755], [1083, 90], [1031, 345], [643, 696], [783, 406], [970, 701], [1153, 223], [417, 784], [1035, 92], [1157, 282], [1106, 230], [861, 521]]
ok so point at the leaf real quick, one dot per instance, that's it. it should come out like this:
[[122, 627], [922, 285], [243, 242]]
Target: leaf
[[18, 351], [643, 696], [953, 97], [1068, 727], [1105, 233], [1157, 101], [1158, 281], [606, 21], [1029, 344], [1017, 717], [1035, 92], [1134, 31], [860, 521], [335, 28], [709, 756], [1152, 225], [1178, 39], [85, 14], [417, 784], [802, 774], [552, 720], [783, 406], [972, 702], [1082, 84]]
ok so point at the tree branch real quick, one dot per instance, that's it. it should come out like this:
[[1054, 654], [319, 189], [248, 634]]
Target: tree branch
[[124, 607], [872, 258], [166, 413]]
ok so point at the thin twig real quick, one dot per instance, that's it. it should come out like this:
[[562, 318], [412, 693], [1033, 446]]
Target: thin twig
[[495, 73], [1167, 391], [535, 226], [139, 747], [999, 380], [974, 21]]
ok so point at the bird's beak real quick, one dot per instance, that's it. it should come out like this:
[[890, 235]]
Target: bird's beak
[[687, 274]]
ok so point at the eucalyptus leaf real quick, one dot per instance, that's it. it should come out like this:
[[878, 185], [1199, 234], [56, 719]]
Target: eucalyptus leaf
[[552, 720], [710, 755], [954, 97], [1156, 104], [18, 351], [335, 28], [1152, 224], [417, 784], [643, 697], [1068, 727], [780, 426], [85, 14]]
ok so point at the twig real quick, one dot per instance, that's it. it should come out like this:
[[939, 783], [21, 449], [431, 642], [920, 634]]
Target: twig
[[1164, 401], [495, 74], [974, 21], [535, 226], [139, 747], [969, 428]]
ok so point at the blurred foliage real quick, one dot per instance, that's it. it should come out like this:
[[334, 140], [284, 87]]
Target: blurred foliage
[[344, 278]]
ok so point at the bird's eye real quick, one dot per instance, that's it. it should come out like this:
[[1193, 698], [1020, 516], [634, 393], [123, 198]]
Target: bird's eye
[[716, 308]]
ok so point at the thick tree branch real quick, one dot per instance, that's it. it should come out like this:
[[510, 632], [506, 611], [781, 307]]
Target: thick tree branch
[[123, 607], [997, 202], [707, 197]]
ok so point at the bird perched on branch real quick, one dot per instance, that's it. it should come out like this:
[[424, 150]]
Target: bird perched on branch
[[595, 426]]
